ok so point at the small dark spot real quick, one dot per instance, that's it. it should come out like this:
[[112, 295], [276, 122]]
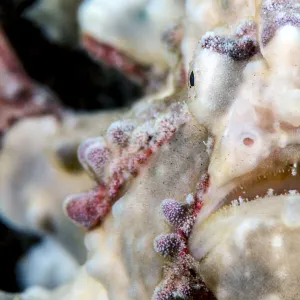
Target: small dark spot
[[47, 225], [238, 49], [141, 15], [192, 79], [248, 142], [67, 157], [193, 273]]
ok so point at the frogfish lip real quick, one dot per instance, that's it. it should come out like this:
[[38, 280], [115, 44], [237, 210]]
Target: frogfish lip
[[279, 182], [278, 175], [247, 233], [111, 56], [253, 246]]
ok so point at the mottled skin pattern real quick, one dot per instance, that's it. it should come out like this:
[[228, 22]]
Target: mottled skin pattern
[[203, 16], [177, 159], [243, 251], [115, 159], [183, 217], [247, 248]]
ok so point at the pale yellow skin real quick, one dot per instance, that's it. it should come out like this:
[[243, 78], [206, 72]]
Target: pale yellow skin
[[172, 173], [120, 250], [83, 287], [247, 251], [203, 16]]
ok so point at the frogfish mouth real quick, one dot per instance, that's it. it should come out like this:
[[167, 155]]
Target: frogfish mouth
[[247, 234]]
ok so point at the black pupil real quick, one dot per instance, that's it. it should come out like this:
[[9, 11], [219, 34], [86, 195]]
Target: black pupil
[[192, 80]]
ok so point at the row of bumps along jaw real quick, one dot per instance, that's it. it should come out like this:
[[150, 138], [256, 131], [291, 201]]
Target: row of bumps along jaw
[[242, 122]]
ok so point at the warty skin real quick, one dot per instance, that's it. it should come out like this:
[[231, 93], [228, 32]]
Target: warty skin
[[241, 128], [237, 90]]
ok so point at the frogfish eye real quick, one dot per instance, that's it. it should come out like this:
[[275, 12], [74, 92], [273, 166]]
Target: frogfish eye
[[192, 79]]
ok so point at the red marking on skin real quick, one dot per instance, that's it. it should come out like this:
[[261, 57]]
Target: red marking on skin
[[238, 49], [112, 57], [88, 208], [270, 27], [200, 191], [142, 157], [119, 133], [181, 282], [133, 164], [247, 28], [127, 166], [180, 277], [184, 252], [118, 137], [98, 157], [203, 184], [82, 148], [248, 142], [197, 207], [114, 187], [277, 14]]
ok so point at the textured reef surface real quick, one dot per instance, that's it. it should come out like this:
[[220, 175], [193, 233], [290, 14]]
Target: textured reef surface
[[193, 191]]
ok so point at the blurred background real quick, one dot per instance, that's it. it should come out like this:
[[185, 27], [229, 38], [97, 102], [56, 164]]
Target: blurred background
[[76, 82]]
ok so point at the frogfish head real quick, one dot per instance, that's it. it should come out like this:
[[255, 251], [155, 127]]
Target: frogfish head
[[245, 86]]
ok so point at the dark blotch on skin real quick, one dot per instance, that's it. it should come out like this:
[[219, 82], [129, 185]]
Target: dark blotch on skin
[[276, 14], [237, 49], [192, 79], [67, 157], [271, 27]]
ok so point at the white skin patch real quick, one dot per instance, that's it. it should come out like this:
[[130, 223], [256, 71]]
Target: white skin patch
[[222, 292], [243, 230], [209, 145], [294, 169], [272, 297], [234, 203], [291, 212], [189, 199], [227, 258], [282, 273], [277, 241], [270, 192], [118, 209], [238, 201], [241, 200], [247, 274], [293, 192]]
